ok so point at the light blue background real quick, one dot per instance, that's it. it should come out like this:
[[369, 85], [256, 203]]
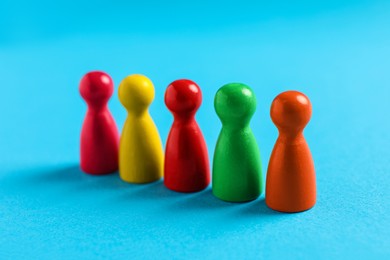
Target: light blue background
[[337, 52]]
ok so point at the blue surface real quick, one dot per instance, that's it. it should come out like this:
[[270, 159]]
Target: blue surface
[[337, 52]]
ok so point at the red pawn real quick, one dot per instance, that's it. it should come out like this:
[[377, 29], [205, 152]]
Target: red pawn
[[99, 134], [186, 167]]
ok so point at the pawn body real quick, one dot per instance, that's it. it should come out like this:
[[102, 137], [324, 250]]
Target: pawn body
[[291, 185], [99, 142], [237, 173], [186, 167], [140, 152]]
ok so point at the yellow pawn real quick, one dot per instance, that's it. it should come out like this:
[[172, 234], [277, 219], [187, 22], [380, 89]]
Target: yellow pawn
[[141, 154]]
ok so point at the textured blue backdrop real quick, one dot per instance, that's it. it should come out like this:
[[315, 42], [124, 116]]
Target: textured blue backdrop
[[337, 52]]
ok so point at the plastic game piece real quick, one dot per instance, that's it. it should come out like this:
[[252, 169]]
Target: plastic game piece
[[291, 185], [186, 167], [99, 135], [140, 152], [237, 175]]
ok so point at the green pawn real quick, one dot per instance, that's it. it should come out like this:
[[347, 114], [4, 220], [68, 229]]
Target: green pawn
[[237, 173]]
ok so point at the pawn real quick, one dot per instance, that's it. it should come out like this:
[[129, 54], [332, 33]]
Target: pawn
[[237, 173], [140, 152], [186, 167], [99, 135], [291, 185]]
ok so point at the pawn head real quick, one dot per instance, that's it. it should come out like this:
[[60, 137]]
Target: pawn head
[[291, 111], [96, 88], [235, 102], [183, 96], [136, 92]]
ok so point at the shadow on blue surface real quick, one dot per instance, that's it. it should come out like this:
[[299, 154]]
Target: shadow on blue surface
[[72, 174], [76, 183]]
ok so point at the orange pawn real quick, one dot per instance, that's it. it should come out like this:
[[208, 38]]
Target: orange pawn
[[291, 184]]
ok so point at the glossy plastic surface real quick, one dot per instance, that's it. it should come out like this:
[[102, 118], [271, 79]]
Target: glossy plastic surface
[[291, 185], [186, 167], [237, 173], [140, 153], [99, 135]]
